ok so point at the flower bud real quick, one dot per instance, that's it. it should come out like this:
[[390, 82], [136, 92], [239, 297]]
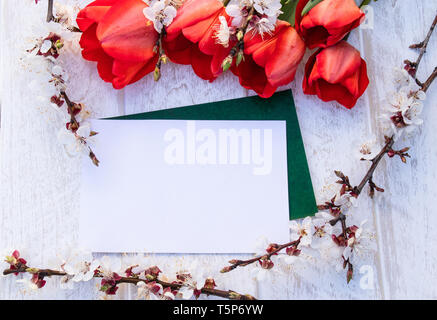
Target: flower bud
[[59, 44], [240, 57], [267, 264], [292, 251], [226, 269], [240, 35], [11, 260], [157, 74], [209, 283], [227, 62], [234, 296], [272, 247], [32, 270]]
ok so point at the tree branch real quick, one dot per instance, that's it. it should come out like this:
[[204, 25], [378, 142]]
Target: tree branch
[[50, 16], [229, 294], [375, 161], [242, 263]]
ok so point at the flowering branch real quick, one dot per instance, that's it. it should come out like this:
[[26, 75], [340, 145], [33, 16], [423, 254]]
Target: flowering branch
[[264, 260], [74, 125], [18, 265], [349, 236], [411, 67]]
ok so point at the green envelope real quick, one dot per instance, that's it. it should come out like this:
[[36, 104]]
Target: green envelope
[[279, 107]]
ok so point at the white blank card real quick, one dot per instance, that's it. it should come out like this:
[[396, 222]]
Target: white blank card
[[176, 186]]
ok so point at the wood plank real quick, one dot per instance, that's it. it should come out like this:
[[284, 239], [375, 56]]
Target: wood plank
[[407, 225]]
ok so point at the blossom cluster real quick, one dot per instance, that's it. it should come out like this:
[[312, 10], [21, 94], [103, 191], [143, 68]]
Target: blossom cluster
[[404, 106], [80, 266], [50, 87]]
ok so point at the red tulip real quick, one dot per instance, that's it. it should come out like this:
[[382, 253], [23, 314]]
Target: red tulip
[[328, 22], [190, 37], [336, 73], [270, 61], [117, 35]]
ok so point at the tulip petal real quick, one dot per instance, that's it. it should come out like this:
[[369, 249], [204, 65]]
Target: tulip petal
[[310, 74], [127, 73], [253, 77], [338, 62], [289, 51], [126, 34], [329, 92], [192, 12], [201, 64], [178, 50], [92, 51], [328, 22], [333, 14], [94, 12]]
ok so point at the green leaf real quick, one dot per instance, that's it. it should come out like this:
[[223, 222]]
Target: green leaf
[[288, 11], [365, 3], [311, 4]]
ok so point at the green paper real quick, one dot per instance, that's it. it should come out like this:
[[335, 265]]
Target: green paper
[[279, 107]]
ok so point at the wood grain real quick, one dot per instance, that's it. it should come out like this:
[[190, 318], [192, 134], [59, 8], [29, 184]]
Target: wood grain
[[40, 185]]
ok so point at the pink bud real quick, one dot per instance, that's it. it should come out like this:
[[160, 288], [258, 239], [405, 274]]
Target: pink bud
[[267, 264]]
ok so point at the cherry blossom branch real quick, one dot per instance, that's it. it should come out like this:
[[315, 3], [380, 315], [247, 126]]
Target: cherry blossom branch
[[42, 273], [74, 125], [264, 259], [412, 67], [429, 81], [375, 162], [50, 16], [348, 233]]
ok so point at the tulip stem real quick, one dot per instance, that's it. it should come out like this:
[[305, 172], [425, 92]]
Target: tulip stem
[[226, 2], [229, 294]]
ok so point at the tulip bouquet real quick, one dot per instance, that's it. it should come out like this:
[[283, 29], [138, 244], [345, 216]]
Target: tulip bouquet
[[262, 42]]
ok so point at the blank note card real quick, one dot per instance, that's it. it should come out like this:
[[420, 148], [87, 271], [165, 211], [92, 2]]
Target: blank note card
[[177, 186]]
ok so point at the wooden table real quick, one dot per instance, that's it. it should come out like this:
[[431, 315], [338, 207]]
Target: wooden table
[[39, 184]]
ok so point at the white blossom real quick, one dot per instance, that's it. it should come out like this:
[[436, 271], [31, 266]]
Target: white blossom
[[160, 14], [359, 244], [75, 142], [235, 12], [65, 14], [302, 231], [144, 291], [27, 282], [369, 149], [403, 110], [45, 46], [222, 33], [401, 77], [80, 265], [271, 8], [110, 265], [321, 231]]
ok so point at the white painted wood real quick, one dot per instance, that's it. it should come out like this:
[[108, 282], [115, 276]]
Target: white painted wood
[[39, 184]]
